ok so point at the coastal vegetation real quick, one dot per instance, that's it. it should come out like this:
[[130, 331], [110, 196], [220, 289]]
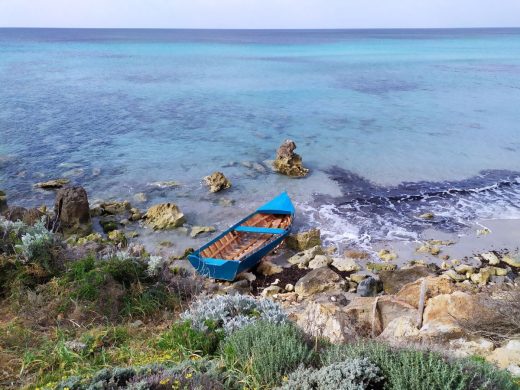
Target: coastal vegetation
[[83, 305]]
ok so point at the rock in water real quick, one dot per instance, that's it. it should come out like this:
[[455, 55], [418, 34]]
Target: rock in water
[[287, 162], [304, 240], [164, 216], [52, 184], [72, 212], [217, 182], [196, 230], [3, 201]]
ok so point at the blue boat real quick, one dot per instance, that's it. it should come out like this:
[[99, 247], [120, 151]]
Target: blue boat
[[243, 245]]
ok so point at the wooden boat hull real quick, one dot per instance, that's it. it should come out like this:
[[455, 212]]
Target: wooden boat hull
[[244, 244]]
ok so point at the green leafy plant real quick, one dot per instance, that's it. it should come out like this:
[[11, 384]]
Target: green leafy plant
[[410, 369], [185, 340], [266, 352]]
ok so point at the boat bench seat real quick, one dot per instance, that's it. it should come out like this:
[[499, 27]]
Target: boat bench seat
[[259, 230]]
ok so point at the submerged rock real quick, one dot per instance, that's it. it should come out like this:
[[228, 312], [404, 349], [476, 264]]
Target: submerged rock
[[140, 197], [71, 210], [164, 216], [115, 207], [287, 162], [386, 255], [304, 240], [217, 182], [512, 261], [196, 230], [52, 184]]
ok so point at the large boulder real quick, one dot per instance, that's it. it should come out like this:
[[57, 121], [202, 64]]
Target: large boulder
[[71, 209], [323, 318], [393, 281], [410, 293], [115, 207], [319, 280], [304, 240], [289, 163], [443, 314], [378, 312], [3, 201], [164, 216], [217, 182]]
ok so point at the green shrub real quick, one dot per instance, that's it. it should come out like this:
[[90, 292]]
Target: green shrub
[[183, 338], [266, 352], [409, 369], [355, 374]]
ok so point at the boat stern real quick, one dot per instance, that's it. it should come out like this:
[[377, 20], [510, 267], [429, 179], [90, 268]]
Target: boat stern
[[214, 268]]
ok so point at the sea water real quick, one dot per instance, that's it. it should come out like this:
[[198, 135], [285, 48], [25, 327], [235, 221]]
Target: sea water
[[391, 123]]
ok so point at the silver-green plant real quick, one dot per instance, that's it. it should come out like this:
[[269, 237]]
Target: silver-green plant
[[354, 374], [36, 243], [155, 263], [232, 312]]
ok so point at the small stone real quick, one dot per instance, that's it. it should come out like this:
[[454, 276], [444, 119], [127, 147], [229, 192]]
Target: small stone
[[268, 268], [427, 216], [108, 225], [115, 207], [386, 255], [482, 277], [491, 258], [500, 271], [289, 287], [250, 277], [117, 236], [345, 264], [52, 184], [196, 230], [483, 232], [165, 184], [302, 259], [270, 291], [445, 265], [93, 237], [377, 267], [431, 249], [369, 287], [452, 274], [512, 261], [356, 254], [320, 261], [304, 240], [140, 197], [464, 269], [217, 182], [166, 244], [358, 277]]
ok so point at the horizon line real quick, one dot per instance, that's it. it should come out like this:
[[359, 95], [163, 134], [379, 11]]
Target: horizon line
[[262, 29]]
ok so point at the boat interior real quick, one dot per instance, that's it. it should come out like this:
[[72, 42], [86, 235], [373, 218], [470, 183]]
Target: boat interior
[[252, 235]]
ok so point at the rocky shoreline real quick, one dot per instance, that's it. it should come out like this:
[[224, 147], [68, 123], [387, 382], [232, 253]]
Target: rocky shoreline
[[430, 298]]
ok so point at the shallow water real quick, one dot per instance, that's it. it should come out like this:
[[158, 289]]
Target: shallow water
[[400, 113]]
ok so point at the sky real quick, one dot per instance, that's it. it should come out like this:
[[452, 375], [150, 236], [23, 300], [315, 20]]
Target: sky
[[260, 13]]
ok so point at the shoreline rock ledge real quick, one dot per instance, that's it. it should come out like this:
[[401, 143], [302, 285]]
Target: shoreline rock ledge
[[287, 162]]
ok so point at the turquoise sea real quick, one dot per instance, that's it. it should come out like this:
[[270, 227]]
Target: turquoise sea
[[392, 123]]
